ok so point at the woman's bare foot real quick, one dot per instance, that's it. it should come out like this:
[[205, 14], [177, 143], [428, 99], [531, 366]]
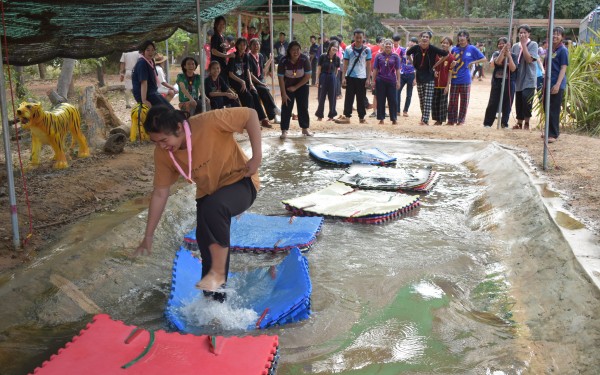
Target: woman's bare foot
[[283, 134], [211, 282], [307, 133], [380, 122]]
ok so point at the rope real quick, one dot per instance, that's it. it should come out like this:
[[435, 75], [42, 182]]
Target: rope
[[12, 98], [142, 354]]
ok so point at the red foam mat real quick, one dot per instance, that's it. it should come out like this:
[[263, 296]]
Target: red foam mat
[[107, 346]]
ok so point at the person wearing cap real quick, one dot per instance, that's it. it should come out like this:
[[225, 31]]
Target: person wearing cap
[[167, 90]]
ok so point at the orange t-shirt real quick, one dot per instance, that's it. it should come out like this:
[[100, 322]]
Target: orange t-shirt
[[217, 158]]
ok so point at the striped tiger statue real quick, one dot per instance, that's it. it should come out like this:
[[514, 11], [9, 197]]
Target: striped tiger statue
[[138, 116], [52, 128]]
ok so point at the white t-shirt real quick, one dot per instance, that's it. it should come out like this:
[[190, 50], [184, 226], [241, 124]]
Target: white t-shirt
[[161, 78], [130, 59]]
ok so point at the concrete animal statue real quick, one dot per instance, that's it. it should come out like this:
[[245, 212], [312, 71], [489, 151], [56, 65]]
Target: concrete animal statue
[[138, 112], [52, 128]]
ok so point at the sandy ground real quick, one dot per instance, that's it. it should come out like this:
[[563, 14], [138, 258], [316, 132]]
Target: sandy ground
[[55, 199]]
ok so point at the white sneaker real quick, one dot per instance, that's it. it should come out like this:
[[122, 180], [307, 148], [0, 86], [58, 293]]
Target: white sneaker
[[278, 111], [277, 119]]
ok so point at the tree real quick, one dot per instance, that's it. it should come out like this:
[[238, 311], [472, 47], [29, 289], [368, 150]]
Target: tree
[[65, 78]]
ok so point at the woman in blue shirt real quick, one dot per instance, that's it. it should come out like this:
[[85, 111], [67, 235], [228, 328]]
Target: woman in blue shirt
[[558, 82]]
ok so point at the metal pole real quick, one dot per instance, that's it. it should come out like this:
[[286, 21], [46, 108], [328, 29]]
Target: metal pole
[[12, 197], [547, 82], [239, 33], [499, 113], [168, 62], [201, 50], [322, 36], [291, 20], [273, 72], [342, 25]]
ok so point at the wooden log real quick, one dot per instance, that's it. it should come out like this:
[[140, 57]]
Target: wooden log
[[105, 89], [96, 129], [55, 98], [115, 143], [124, 129], [105, 108]]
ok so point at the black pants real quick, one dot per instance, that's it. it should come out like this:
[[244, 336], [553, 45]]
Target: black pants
[[264, 94], [406, 80], [313, 66], [219, 102], [554, 118], [327, 87], [355, 87], [386, 90], [214, 213], [524, 103], [299, 96], [249, 98], [492, 107]]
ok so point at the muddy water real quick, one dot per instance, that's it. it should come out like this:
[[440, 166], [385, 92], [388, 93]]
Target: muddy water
[[478, 280]]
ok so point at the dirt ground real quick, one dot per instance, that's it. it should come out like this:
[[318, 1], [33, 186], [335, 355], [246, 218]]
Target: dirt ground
[[54, 199]]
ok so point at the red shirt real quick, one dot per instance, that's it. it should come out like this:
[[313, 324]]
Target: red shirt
[[442, 72], [207, 51]]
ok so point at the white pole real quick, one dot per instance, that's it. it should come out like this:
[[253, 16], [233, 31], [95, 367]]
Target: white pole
[[168, 62], [239, 33], [201, 51], [291, 20], [322, 36], [547, 86], [273, 72], [12, 197]]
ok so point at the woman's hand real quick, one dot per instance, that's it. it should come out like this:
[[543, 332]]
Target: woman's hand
[[252, 167], [145, 247], [292, 88], [284, 99], [147, 103], [230, 95], [243, 86]]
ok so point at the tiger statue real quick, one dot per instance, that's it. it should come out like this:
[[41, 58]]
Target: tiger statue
[[138, 114], [52, 128]]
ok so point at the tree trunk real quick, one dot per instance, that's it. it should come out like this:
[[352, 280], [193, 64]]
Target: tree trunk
[[100, 74], [104, 107], [55, 99], [95, 132], [65, 78], [115, 143], [42, 69], [20, 85]]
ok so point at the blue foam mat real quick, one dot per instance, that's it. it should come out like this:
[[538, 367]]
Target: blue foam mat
[[346, 156], [284, 295], [270, 233]]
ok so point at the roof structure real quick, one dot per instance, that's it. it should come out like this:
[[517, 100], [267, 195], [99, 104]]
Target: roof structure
[[477, 27]]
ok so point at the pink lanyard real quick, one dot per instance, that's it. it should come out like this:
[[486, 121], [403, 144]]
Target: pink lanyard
[[188, 144]]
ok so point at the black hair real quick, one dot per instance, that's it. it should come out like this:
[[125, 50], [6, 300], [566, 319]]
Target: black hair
[[524, 27], [229, 38], [464, 33], [164, 119], [331, 45], [185, 60], [560, 30], [145, 45], [292, 44], [238, 42], [312, 36], [254, 40], [429, 33], [448, 39], [502, 39], [282, 33], [216, 23], [214, 62], [358, 31], [396, 38], [414, 39], [378, 39], [340, 36]]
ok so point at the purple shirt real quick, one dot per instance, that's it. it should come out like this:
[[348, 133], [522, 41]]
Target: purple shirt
[[386, 66]]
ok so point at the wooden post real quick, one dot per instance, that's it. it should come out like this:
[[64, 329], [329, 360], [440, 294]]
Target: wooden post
[[90, 116]]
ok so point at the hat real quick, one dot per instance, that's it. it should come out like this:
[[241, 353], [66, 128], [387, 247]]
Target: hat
[[159, 58]]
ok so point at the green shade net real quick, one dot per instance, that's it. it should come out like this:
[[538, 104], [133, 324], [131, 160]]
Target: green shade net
[[40, 30], [298, 6]]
